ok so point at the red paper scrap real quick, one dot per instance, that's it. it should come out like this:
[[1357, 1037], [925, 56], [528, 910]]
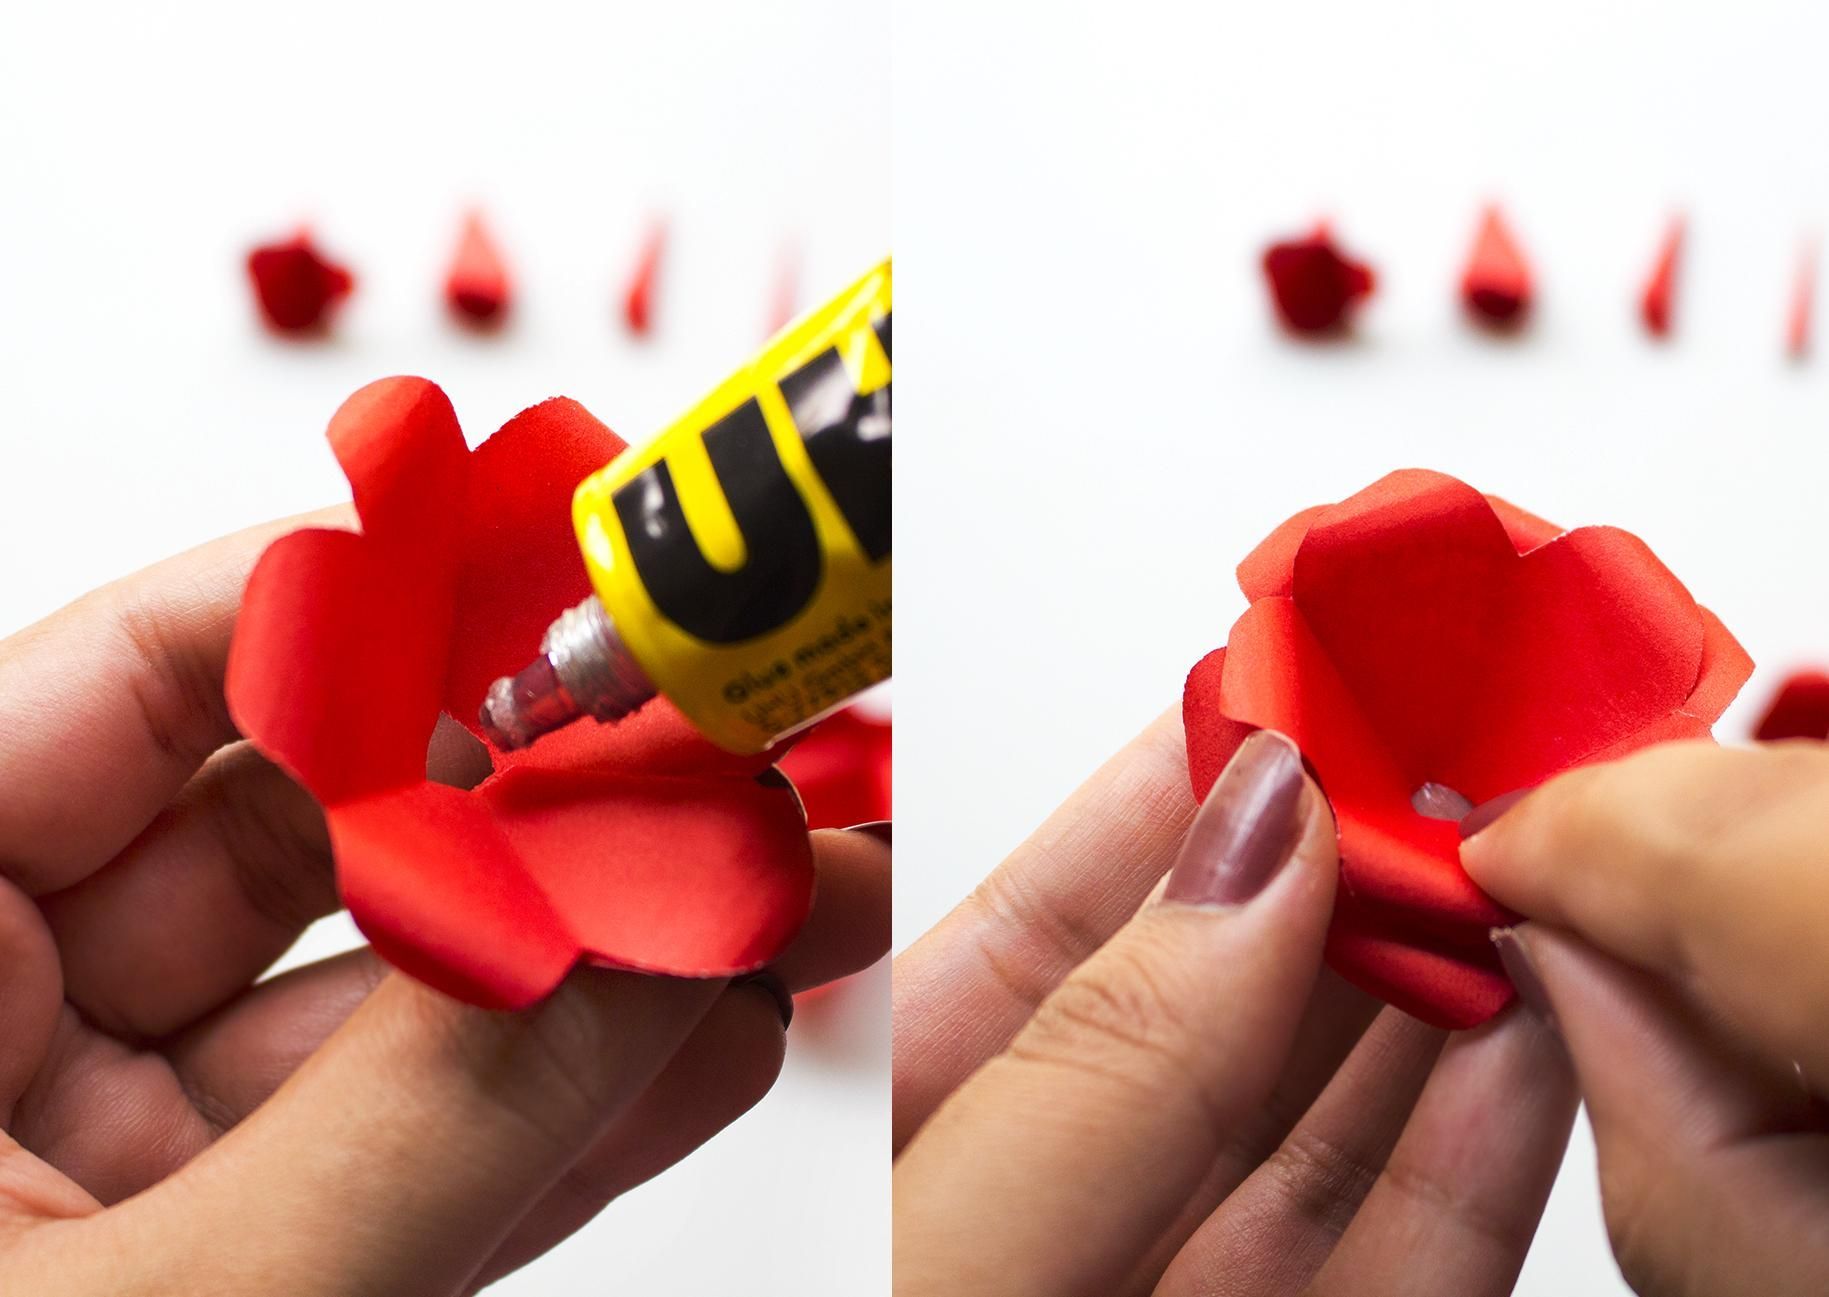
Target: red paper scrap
[[477, 287], [638, 299], [637, 845], [1496, 285], [841, 768], [1313, 284], [1422, 633], [295, 285], [1799, 710], [1660, 289], [1803, 302]]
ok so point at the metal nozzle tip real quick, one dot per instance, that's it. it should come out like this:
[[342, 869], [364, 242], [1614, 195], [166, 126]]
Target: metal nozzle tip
[[519, 709]]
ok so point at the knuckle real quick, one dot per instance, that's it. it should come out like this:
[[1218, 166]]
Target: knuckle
[[1321, 1181], [281, 868], [176, 690]]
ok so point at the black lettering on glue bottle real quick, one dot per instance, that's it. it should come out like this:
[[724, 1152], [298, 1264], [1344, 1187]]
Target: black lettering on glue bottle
[[848, 439], [782, 564]]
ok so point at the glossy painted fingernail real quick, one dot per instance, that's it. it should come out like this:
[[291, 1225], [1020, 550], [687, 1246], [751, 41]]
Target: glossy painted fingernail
[[1486, 812], [1247, 828], [1517, 962], [774, 988], [881, 830]]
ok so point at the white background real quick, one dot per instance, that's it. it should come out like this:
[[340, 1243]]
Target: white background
[[1099, 419], [143, 148]]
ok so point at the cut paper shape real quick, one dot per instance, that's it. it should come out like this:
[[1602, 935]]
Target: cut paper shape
[[638, 298], [1496, 285], [476, 287], [1657, 302], [841, 768], [1420, 633], [1313, 284], [1803, 303], [1799, 710], [297, 287], [637, 845]]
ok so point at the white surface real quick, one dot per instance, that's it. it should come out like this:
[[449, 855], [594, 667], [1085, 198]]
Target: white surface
[[145, 149], [1106, 420]]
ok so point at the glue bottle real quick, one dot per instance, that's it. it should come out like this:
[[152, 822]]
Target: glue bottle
[[740, 560]]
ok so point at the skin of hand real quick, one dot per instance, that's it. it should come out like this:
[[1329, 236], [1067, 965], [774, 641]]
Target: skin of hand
[[1677, 904], [166, 1125], [1111, 1084]]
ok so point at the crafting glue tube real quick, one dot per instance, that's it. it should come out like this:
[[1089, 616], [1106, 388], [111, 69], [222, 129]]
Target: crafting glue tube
[[741, 559]]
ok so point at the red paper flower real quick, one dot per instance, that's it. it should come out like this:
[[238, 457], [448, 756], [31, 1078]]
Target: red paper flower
[[1496, 285], [295, 285], [638, 845], [1655, 304], [1421, 633], [638, 298], [841, 768], [476, 287], [1799, 710], [1314, 285]]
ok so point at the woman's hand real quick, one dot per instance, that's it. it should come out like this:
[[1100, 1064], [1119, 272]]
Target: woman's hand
[[1680, 938], [1096, 1098], [170, 1127]]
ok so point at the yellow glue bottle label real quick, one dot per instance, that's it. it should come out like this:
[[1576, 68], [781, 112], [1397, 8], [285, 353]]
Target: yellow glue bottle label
[[744, 554]]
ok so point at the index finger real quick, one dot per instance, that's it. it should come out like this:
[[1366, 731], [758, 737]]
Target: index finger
[[965, 988], [1703, 864], [109, 705]]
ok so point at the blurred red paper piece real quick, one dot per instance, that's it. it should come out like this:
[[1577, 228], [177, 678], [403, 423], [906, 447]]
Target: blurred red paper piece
[[1799, 710], [784, 298], [295, 285], [1657, 302], [1422, 633], [477, 288], [1803, 302], [1496, 285], [1313, 284], [841, 768], [637, 845], [638, 298]]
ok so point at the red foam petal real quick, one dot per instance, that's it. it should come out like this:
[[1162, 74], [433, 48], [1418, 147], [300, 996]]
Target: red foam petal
[[657, 741], [1455, 988], [1526, 529], [295, 285], [638, 298], [1799, 710], [1425, 605], [1655, 302], [842, 770], [438, 889], [476, 286], [693, 879], [334, 666], [1270, 569], [1496, 284], [520, 566], [400, 446], [1313, 285]]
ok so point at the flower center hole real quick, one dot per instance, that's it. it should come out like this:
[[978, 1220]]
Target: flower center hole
[[1439, 802]]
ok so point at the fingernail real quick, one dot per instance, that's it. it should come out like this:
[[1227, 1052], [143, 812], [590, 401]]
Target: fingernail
[[878, 829], [1517, 962], [1246, 829], [1486, 812], [774, 988]]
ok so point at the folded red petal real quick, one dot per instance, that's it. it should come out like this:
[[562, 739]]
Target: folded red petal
[[476, 286], [437, 888], [1313, 285], [1431, 635], [1799, 710], [693, 878], [841, 769], [295, 285], [1496, 285]]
